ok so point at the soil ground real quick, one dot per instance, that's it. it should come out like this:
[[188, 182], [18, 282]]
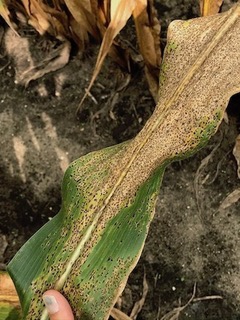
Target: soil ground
[[192, 239]]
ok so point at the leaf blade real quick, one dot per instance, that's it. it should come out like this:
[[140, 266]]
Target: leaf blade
[[126, 252], [110, 180]]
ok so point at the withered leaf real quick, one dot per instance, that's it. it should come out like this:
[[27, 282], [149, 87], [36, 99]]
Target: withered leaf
[[7, 290], [86, 21], [37, 16], [26, 69], [148, 34], [45, 18], [120, 15], [119, 315], [232, 198], [236, 153], [4, 12], [209, 7], [140, 303]]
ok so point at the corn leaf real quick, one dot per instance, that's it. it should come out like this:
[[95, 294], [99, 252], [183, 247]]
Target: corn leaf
[[209, 7], [38, 18], [121, 11], [9, 303], [230, 199], [45, 18], [4, 12], [88, 250], [148, 34], [7, 290], [84, 18], [9, 312], [236, 153]]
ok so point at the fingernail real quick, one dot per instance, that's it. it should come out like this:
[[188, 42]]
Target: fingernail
[[51, 304]]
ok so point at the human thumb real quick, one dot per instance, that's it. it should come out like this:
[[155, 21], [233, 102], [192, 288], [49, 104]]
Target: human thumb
[[57, 306]]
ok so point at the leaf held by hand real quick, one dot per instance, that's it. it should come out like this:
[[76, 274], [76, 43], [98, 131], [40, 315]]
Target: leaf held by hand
[[89, 249]]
